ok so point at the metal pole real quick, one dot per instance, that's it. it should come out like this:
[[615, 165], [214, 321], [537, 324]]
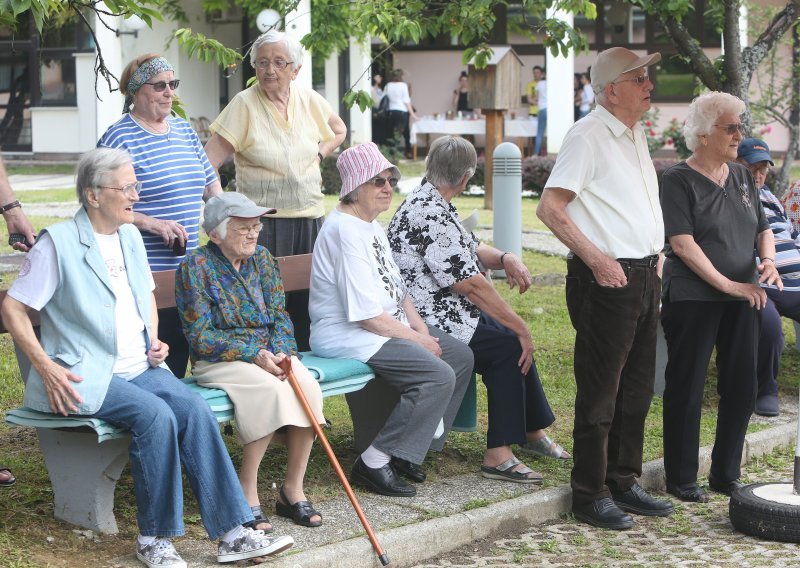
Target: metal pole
[[507, 200]]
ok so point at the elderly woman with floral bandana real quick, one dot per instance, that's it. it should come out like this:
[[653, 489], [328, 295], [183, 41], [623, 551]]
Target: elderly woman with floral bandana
[[175, 173]]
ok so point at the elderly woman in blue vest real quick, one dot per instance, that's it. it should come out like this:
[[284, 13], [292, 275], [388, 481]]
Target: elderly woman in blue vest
[[100, 356]]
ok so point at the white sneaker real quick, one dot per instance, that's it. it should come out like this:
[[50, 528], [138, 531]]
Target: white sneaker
[[252, 544], [159, 554]]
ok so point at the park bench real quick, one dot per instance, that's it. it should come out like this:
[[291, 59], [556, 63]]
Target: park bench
[[85, 456]]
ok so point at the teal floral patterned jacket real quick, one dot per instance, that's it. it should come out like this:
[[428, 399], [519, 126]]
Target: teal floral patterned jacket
[[229, 315]]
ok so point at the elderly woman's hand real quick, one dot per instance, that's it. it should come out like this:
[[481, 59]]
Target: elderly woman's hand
[[157, 353], [62, 395], [269, 362], [769, 274], [429, 342], [169, 231], [516, 272], [753, 293]]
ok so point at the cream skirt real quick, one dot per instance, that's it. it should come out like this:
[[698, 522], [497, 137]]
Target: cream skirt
[[263, 403]]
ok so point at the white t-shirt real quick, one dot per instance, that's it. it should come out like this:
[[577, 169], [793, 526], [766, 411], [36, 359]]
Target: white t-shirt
[[353, 278], [587, 97], [397, 91], [541, 93], [608, 167], [39, 278]]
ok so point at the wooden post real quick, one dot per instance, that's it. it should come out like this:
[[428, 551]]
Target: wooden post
[[494, 136]]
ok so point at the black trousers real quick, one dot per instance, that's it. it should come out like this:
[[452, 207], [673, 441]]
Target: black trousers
[[170, 331], [692, 330], [517, 403], [398, 120], [615, 357], [770, 340]]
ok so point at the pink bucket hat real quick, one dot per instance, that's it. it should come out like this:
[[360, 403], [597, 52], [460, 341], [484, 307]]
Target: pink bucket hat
[[361, 163]]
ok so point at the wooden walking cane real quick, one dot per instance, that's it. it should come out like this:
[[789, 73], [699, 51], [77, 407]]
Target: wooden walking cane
[[286, 366]]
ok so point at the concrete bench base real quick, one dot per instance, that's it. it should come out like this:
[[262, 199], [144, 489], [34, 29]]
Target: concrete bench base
[[83, 474]]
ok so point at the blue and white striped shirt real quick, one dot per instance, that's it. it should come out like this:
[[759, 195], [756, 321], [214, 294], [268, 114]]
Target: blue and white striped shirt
[[174, 171], [787, 241]]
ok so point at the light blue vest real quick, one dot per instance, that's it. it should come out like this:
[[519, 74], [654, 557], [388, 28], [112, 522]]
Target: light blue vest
[[78, 323]]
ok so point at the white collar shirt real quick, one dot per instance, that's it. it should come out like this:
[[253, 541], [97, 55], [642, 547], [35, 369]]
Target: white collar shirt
[[608, 167]]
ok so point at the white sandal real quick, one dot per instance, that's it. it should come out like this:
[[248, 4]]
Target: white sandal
[[544, 448]]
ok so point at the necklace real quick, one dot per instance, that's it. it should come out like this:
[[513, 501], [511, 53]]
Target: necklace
[[719, 181], [152, 127]]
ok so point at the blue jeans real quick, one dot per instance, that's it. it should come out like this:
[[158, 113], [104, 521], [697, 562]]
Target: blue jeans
[[541, 128], [172, 425]]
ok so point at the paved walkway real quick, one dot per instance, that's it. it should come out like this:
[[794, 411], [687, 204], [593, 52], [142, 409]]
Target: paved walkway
[[695, 535]]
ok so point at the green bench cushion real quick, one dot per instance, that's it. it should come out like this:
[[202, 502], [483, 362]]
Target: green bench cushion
[[337, 376]]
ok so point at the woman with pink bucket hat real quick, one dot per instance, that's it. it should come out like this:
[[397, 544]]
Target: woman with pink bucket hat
[[360, 309]]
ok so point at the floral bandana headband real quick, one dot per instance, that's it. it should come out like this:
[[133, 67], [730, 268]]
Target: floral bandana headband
[[142, 75]]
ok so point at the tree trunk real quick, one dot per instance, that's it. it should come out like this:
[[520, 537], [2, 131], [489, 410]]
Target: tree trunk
[[782, 181]]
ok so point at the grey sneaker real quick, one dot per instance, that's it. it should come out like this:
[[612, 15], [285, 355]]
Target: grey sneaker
[[159, 554], [252, 544]]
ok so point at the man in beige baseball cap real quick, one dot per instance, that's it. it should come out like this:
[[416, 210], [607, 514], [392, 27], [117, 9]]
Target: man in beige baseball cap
[[601, 200]]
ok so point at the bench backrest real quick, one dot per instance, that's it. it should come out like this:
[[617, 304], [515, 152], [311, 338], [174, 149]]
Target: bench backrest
[[295, 271]]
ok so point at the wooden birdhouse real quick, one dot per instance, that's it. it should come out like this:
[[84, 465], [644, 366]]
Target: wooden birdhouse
[[496, 86]]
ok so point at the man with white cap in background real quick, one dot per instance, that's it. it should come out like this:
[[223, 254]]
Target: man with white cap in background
[[601, 201]]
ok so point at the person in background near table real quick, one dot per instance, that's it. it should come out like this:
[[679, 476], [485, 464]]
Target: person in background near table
[[100, 356], [601, 200], [754, 155], [175, 174], [530, 93], [400, 108], [540, 76], [278, 132], [17, 224], [587, 96], [442, 265], [230, 297], [711, 299], [378, 119], [461, 94]]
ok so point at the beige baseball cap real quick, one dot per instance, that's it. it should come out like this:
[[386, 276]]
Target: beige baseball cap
[[615, 61]]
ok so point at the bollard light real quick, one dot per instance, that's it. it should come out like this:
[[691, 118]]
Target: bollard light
[[507, 200]]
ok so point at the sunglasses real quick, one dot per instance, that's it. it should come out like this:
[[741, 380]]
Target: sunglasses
[[379, 181], [732, 128], [639, 79], [161, 85]]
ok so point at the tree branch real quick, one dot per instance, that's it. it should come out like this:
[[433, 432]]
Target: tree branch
[[690, 47], [752, 56]]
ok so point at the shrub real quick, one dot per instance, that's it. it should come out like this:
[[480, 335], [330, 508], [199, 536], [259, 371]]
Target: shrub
[[535, 171], [331, 180], [673, 136], [654, 142]]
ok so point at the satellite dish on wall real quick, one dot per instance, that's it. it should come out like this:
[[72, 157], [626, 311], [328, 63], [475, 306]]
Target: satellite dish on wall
[[267, 19]]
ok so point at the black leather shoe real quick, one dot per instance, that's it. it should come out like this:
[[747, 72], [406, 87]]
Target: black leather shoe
[[382, 480], [411, 470], [603, 513], [722, 487], [637, 500], [692, 493]]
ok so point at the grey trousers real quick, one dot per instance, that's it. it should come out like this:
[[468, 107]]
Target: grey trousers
[[399, 410]]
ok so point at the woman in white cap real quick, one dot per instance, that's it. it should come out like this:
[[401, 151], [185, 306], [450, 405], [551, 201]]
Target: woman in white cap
[[360, 309], [230, 298]]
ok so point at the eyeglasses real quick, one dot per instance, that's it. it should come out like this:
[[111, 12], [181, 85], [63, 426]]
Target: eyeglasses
[[131, 189], [277, 63], [639, 79], [762, 169], [244, 231], [379, 181], [159, 86], [732, 128]]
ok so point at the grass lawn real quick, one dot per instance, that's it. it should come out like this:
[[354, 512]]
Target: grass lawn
[[26, 512]]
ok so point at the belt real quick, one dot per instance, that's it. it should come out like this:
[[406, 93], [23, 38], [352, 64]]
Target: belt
[[648, 261]]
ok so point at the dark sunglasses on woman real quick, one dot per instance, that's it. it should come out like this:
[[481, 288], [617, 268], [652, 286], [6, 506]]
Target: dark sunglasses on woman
[[161, 85]]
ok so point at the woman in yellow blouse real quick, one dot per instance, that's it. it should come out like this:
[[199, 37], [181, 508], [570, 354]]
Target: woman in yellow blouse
[[278, 132]]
